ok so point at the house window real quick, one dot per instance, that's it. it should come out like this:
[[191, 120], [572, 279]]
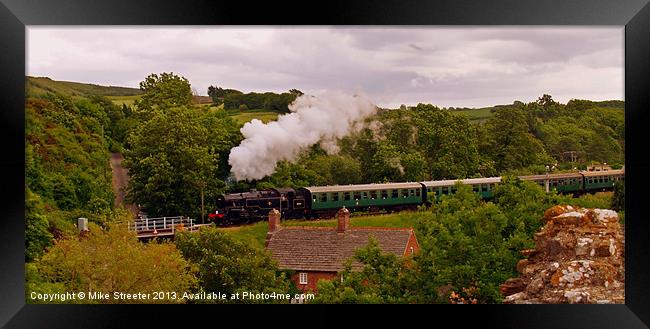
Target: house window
[[412, 250], [303, 278]]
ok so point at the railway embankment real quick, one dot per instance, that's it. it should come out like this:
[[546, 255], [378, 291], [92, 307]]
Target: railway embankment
[[579, 258]]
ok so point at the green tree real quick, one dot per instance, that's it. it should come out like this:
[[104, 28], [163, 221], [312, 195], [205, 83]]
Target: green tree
[[229, 266], [164, 91], [618, 200], [384, 278], [114, 260], [171, 164], [511, 146], [37, 234]]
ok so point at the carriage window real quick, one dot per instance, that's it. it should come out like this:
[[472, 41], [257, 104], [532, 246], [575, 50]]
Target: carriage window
[[346, 196], [394, 194], [475, 188], [335, 197], [365, 195], [405, 193], [445, 190], [357, 195], [313, 196], [417, 192], [373, 195], [484, 187], [453, 189], [323, 197], [384, 194], [411, 192], [428, 189]]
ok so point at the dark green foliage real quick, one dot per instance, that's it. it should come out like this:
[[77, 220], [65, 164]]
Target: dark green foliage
[[217, 93], [37, 235], [618, 200], [164, 91], [228, 266], [174, 157], [66, 152], [468, 247], [268, 101], [385, 278], [511, 145]]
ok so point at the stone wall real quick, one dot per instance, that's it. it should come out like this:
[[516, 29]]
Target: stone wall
[[578, 258]]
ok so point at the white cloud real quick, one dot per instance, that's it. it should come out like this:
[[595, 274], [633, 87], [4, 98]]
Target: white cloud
[[464, 66]]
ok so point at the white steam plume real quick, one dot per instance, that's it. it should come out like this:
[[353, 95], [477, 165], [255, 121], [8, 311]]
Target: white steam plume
[[313, 119]]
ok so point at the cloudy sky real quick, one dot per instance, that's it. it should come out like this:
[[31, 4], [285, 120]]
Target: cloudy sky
[[444, 66]]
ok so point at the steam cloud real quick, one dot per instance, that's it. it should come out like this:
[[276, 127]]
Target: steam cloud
[[313, 119]]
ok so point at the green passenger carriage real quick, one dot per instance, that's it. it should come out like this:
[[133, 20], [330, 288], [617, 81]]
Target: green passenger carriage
[[365, 196], [482, 186]]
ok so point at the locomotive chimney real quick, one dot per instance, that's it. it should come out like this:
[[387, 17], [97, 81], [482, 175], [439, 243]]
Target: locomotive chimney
[[343, 220], [274, 223]]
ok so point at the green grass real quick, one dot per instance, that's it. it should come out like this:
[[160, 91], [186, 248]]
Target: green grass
[[248, 115], [42, 85], [128, 100], [256, 233], [481, 114]]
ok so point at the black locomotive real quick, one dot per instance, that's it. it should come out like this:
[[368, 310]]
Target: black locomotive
[[253, 206]]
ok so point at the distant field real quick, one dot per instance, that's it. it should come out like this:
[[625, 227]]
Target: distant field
[[256, 233], [476, 114], [128, 100], [246, 116]]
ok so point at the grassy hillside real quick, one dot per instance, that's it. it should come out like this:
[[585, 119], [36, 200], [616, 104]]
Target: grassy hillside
[[128, 100], [42, 85]]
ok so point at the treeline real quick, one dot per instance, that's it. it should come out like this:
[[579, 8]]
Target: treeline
[[425, 142], [236, 100]]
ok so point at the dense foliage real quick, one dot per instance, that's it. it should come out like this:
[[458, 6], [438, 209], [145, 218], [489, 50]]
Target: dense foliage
[[468, 248], [176, 157], [229, 266], [164, 91], [112, 260], [234, 99]]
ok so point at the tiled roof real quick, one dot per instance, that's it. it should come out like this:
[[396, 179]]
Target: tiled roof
[[323, 249]]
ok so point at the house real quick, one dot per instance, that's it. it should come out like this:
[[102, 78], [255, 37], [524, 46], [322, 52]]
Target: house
[[316, 253]]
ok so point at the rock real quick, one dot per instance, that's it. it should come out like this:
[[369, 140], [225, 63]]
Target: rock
[[578, 258], [512, 286], [521, 265], [602, 251]]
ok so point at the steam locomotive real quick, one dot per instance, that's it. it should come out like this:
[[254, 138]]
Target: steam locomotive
[[324, 201]]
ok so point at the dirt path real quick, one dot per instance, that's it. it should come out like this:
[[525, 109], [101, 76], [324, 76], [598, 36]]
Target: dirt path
[[120, 181]]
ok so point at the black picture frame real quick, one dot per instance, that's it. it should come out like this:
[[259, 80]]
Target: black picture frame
[[15, 15]]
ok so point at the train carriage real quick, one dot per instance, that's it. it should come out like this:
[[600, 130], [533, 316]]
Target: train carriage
[[599, 180], [482, 186], [563, 182], [324, 199]]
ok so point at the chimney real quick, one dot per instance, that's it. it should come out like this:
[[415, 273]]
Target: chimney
[[343, 220], [274, 224], [82, 224]]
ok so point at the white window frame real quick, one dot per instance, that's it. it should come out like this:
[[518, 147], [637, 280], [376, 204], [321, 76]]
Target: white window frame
[[303, 278]]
